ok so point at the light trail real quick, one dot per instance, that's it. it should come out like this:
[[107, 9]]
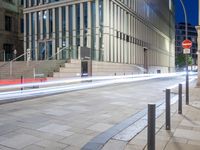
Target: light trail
[[76, 80], [30, 93]]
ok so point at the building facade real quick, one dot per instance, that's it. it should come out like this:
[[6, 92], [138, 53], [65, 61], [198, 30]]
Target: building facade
[[11, 29], [198, 41], [180, 37], [139, 32]]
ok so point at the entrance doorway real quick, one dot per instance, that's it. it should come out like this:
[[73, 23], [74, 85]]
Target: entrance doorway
[[45, 50], [84, 68], [145, 60]]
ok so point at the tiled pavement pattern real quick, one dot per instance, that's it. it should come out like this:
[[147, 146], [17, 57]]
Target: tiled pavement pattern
[[184, 133], [69, 121]]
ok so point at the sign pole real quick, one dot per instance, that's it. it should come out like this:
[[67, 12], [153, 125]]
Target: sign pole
[[187, 44]]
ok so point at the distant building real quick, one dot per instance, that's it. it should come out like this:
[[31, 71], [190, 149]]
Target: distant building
[[11, 29], [133, 32], [198, 41], [180, 37]]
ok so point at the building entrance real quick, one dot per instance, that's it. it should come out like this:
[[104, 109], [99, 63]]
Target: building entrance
[[45, 50], [84, 68], [145, 60]]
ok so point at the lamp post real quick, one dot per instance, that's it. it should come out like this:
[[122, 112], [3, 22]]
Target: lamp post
[[186, 59]]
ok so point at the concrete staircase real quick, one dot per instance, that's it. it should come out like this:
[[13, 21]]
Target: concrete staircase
[[18, 68], [71, 68]]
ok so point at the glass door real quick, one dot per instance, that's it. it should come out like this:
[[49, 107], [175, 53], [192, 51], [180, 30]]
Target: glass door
[[42, 50]]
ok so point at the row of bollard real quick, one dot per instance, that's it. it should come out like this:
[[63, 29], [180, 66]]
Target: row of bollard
[[152, 117]]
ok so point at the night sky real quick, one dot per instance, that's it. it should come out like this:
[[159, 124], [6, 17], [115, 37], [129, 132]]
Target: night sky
[[192, 11]]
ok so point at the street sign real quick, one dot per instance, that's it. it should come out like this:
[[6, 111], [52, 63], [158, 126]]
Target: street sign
[[186, 44], [186, 51]]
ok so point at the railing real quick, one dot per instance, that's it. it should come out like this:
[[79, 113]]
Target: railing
[[3, 55], [39, 71]]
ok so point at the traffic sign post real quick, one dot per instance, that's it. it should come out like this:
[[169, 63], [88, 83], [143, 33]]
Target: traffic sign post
[[186, 51], [187, 44]]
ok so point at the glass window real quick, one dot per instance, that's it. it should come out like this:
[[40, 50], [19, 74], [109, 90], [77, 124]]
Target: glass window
[[33, 36], [78, 24], [22, 25], [44, 23], [70, 25], [38, 23], [85, 9], [63, 26], [8, 23], [50, 23]]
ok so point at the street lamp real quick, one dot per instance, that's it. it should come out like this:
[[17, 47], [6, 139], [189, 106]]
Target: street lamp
[[186, 59]]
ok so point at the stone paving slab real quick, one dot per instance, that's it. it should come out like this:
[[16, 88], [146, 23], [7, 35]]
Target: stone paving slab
[[20, 141], [96, 106]]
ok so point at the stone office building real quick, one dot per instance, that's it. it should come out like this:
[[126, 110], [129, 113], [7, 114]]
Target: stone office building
[[11, 28], [130, 32]]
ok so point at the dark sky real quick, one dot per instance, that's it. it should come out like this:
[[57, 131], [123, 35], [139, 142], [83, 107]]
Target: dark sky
[[192, 11]]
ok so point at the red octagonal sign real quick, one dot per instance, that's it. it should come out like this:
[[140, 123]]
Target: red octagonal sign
[[187, 44]]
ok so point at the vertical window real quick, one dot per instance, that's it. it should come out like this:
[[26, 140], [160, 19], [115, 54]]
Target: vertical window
[[63, 26], [44, 23], [22, 25], [8, 23], [78, 24], [22, 2], [33, 36], [57, 26], [93, 28], [101, 23], [85, 10], [50, 23], [38, 23], [70, 25]]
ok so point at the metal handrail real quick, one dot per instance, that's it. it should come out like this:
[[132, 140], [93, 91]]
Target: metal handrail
[[13, 59], [49, 58], [3, 52]]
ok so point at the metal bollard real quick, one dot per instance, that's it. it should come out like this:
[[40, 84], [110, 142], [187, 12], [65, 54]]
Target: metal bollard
[[21, 83], [187, 90], [151, 127], [167, 114], [180, 99]]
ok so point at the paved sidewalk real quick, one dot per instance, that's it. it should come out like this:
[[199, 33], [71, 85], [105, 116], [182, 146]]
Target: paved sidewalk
[[184, 133]]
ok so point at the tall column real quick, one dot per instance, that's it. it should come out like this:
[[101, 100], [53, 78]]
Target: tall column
[[97, 30], [122, 39], [74, 54], [67, 28], [81, 25], [106, 31], [119, 34], [25, 35], [128, 43], [60, 32], [36, 37], [47, 24], [41, 25], [115, 33], [54, 32], [30, 31], [126, 33], [89, 24], [111, 33], [29, 3], [25, 1]]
